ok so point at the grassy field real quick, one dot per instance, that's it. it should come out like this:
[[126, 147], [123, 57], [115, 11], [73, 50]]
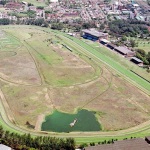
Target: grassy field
[[142, 44], [41, 75]]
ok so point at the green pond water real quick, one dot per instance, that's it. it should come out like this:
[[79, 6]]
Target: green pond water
[[60, 122]]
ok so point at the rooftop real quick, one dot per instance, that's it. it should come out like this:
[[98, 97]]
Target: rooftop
[[132, 144], [123, 49], [94, 32], [136, 59], [104, 40]]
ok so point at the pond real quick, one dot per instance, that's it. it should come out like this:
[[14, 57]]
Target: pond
[[83, 120]]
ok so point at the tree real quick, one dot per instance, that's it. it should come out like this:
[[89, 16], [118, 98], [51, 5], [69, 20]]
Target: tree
[[40, 7], [132, 42], [141, 52], [129, 28], [148, 57], [70, 144], [102, 26], [26, 142], [1, 131], [4, 21], [29, 4], [57, 26], [124, 38], [31, 13], [92, 144], [145, 61], [86, 25], [3, 2]]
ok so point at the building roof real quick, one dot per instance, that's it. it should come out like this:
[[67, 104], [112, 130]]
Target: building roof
[[112, 45], [104, 40], [100, 147], [94, 32], [137, 60], [135, 5], [132, 144], [4, 147], [117, 17], [123, 50], [53, 1]]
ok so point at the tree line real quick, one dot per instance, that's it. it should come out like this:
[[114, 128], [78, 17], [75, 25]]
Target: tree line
[[30, 21], [4, 21], [27, 142], [131, 28], [141, 54]]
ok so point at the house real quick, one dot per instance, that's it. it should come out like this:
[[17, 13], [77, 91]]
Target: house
[[93, 34], [124, 51], [137, 61], [4, 147]]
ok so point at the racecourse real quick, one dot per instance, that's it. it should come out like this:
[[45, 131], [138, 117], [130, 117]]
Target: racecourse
[[87, 137]]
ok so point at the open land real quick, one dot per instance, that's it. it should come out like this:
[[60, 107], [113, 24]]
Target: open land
[[42, 71], [36, 3]]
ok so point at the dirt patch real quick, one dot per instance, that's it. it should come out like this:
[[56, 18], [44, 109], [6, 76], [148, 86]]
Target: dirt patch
[[19, 69], [40, 120]]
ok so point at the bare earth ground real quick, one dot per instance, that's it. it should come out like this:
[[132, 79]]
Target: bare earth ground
[[20, 69], [39, 122], [44, 76]]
